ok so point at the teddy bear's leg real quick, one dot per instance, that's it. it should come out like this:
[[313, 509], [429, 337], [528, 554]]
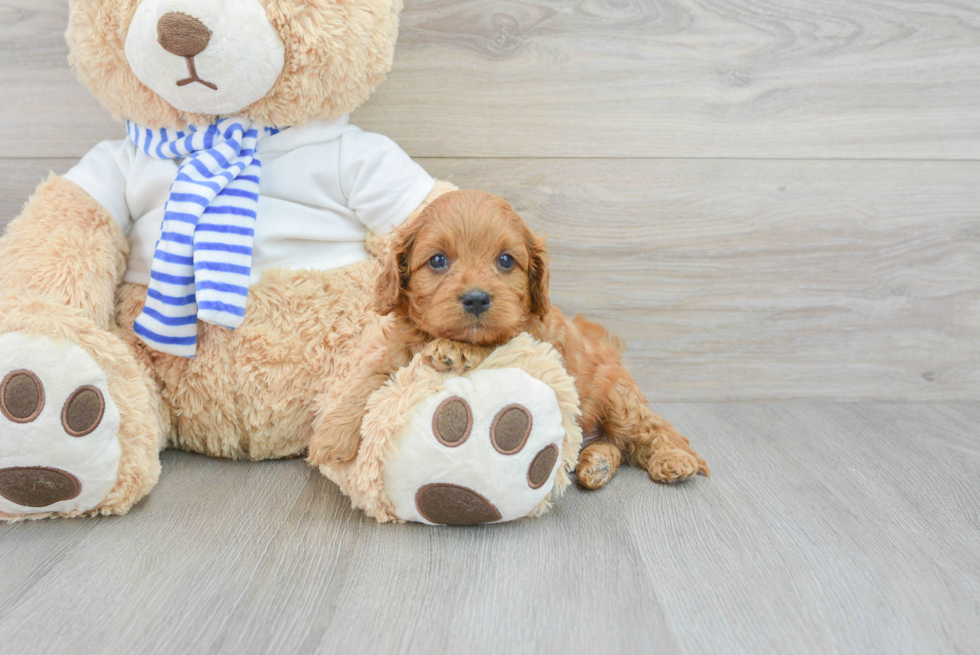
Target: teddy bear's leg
[[486, 447], [495, 443], [79, 416]]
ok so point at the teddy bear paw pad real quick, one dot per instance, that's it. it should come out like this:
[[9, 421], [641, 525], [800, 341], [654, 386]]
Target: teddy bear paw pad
[[59, 450], [451, 504], [484, 449]]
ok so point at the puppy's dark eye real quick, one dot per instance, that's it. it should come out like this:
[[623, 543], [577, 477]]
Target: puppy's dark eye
[[505, 262], [438, 262]]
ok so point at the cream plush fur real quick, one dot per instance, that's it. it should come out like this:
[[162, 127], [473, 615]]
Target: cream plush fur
[[249, 392], [391, 409]]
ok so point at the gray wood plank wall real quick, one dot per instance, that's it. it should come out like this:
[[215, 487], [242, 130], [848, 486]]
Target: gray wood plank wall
[[768, 201]]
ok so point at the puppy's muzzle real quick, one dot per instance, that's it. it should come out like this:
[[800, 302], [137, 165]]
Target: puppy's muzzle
[[476, 302]]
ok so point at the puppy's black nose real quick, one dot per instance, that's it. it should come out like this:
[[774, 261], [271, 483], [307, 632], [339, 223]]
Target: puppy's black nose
[[476, 302], [182, 34]]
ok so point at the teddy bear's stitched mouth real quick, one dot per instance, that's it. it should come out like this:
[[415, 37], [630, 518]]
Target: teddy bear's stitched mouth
[[192, 69]]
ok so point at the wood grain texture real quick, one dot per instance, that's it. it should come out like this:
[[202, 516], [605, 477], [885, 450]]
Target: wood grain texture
[[764, 279], [738, 280], [610, 78], [825, 527], [820, 509]]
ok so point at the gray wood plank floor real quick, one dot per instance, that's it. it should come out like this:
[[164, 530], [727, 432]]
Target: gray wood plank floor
[[825, 528]]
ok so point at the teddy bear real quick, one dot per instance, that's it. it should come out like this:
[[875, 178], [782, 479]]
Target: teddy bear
[[197, 283]]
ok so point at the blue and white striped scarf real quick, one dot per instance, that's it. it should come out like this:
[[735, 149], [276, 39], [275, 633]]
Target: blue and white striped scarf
[[203, 258]]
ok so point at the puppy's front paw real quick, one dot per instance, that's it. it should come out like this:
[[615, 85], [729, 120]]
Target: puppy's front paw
[[445, 364], [448, 356]]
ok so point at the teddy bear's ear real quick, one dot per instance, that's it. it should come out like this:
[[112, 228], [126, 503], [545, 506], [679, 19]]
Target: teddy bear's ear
[[395, 268]]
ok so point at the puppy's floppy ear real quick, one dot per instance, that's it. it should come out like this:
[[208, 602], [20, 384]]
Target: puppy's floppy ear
[[538, 277], [395, 268]]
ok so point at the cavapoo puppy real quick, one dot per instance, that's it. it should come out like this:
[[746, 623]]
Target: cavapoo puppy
[[468, 275]]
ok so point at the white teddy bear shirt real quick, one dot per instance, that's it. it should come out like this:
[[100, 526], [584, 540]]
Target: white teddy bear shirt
[[323, 187]]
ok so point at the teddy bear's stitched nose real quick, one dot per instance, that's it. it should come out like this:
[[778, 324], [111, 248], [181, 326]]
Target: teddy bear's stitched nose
[[182, 34]]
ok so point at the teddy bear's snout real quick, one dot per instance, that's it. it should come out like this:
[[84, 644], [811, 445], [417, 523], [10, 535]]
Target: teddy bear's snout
[[229, 46], [182, 34], [185, 36]]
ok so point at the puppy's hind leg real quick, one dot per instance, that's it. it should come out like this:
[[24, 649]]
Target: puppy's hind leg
[[648, 440]]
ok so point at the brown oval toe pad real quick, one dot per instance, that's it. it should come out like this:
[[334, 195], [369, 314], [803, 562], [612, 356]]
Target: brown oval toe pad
[[540, 469], [511, 428], [38, 486], [83, 411], [21, 396], [451, 504], [452, 421]]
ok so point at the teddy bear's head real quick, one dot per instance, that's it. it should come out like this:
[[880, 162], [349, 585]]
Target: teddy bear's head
[[170, 63]]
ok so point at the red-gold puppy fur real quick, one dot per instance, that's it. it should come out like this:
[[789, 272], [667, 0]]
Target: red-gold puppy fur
[[468, 275]]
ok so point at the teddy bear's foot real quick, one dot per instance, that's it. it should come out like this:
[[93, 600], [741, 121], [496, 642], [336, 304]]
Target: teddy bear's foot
[[59, 450], [486, 448], [79, 431]]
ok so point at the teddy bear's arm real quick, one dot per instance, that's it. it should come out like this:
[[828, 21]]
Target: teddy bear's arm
[[66, 248], [337, 426], [103, 173]]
